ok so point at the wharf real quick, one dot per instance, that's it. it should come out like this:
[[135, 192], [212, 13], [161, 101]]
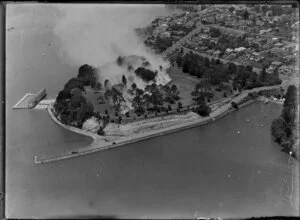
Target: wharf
[[23, 103]]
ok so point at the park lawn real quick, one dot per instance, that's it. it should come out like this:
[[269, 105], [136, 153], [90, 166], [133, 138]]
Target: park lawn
[[185, 84], [92, 97]]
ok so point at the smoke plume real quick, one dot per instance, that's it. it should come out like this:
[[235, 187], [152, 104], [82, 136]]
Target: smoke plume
[[98, 34]]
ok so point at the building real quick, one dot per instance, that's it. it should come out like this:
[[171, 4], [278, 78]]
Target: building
[[240, 50], [228, 51], [285, 70], [270, 70], [278, 45], [276, 64], [37, 98], [210, 52], [165, 34], [217, 53]]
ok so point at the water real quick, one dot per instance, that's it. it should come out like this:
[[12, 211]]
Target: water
[[209, 169]]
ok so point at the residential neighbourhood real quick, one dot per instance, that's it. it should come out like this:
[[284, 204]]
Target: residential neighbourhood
[[262, 36]]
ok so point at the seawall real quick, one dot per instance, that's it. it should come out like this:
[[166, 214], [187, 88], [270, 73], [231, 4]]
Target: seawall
[[138, 138]]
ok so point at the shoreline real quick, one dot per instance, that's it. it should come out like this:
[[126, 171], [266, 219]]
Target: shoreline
[[100, 143], [94, 146]]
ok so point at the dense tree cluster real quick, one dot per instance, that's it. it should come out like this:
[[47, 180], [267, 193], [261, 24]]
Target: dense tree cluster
[[216, 72], [282, 127], [159, 44], [71, 107], [146, 74], [199, 94], [88, 75], [171, 94], [153, 98]]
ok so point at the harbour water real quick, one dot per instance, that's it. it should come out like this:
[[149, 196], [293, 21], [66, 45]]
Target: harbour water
[[209, 169]]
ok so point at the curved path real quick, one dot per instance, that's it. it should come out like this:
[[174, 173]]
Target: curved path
[[105, 142]]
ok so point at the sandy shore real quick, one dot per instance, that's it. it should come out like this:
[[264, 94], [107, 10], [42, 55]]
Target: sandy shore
[[119, 135]]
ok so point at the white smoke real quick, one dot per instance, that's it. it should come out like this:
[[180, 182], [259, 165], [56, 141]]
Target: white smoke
[[98, 34]]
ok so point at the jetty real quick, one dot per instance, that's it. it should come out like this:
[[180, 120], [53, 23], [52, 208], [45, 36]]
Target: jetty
[[31, 100]]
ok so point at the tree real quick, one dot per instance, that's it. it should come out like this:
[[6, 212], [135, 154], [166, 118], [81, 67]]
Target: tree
[[137, 103], [108, 93], [246, 14], [263, 74], [133, 86], [179, 60], [88, 75], [278, 130], [145, 74], [231, 9], [63, 95], [99, 86], [234, 105], [120, 61], [124, 80], [174, 91], [117, 97], [73, 83], [179, 105], [264, 9], [75, 91], [107, 84]]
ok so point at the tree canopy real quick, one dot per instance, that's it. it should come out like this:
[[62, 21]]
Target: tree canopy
[[145, 74]]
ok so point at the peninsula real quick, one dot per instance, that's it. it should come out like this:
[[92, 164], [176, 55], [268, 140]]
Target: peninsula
[[136, 97]]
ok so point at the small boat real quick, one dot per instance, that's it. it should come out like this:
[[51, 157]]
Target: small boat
[[247, 120], [44, 54], [261, 125], [238, 132]]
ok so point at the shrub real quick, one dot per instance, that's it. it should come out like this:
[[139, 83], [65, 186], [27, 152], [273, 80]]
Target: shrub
[[224, 94], [100, 131], [179, 105], [234, 105]]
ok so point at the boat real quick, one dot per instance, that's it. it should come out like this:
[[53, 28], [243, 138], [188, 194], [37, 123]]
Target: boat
[[247, 120], [238, 132]]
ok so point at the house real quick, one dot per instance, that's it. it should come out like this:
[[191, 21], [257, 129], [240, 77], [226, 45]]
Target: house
[[285, 70], [204, 36], [276, 64], [275, 40], [231, 57], [206, 30], [214, 40], [210, 52], [217, 53], [270, 70], [278, 45], [165, 34], [228, 51], [240, 50]]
